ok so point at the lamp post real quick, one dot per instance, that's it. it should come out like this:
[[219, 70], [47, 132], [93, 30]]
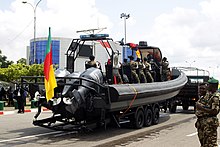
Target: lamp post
[[125, 16], [34, 9]]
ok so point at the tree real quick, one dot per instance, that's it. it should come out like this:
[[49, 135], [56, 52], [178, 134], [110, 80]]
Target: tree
[[22, 61], [3, 61]]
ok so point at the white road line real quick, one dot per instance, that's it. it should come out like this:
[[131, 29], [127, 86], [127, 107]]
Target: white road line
[[31, 136], [193, 134]]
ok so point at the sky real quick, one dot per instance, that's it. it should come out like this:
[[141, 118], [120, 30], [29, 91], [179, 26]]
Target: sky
[[186, 31]]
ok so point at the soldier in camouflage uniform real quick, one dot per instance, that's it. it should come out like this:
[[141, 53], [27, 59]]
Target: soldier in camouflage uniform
[[141, 71], [147, 71], [165, 69], [207, 109], [134, 66]]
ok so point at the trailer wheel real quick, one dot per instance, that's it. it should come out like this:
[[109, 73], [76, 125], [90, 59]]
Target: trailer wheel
[[148, 117], [156, 115], [138, 121]]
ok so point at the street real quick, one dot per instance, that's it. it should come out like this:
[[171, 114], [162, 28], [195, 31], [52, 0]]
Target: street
[[174, 130]]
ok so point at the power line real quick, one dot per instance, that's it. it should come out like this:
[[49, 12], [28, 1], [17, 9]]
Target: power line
[[13, 39]]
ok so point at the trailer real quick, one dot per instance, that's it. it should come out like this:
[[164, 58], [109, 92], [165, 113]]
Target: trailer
[[95, 97]]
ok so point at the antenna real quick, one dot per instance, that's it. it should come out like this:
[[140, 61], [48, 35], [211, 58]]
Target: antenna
[[92, 31]]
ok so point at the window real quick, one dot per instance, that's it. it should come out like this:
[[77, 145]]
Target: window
[[86, 51]]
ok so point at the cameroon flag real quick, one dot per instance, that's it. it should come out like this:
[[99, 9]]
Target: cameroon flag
[[49, 77]]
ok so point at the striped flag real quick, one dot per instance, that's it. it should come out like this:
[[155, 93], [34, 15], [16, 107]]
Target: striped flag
[[138, 53], [49, 77]]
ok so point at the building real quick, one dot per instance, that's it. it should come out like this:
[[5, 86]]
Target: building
[[59, 47]]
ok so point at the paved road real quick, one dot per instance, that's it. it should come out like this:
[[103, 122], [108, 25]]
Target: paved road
[[174, 130]]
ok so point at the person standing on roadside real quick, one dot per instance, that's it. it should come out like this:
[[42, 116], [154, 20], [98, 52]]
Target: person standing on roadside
[[19, 96], [207, 109]]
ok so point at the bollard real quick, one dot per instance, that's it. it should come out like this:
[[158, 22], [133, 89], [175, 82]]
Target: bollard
[[1, 105], [15, 103], [33, 104]]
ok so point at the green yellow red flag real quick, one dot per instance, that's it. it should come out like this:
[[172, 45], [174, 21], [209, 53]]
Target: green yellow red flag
[[49, 77], [138, 53]]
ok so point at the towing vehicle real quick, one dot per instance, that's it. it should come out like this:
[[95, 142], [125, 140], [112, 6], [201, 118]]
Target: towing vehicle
[[189, 94], [94, 96]]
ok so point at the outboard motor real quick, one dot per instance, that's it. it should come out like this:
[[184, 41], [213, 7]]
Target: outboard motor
[[77, 97]]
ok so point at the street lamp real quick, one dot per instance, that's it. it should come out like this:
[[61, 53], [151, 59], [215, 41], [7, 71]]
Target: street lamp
[[34, 8], [125, 16]]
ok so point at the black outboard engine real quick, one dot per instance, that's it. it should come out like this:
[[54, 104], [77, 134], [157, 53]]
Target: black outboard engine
[[76, 91], [77, 97]]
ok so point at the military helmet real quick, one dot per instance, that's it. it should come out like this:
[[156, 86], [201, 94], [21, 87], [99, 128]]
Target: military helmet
[[212, 81]]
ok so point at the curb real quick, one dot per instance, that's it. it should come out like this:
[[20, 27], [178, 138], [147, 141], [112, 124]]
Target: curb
[[25, 111]]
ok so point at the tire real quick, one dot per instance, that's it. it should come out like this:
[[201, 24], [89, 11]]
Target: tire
[[148, 119], [185, 106], [156, 115], [138, 121], [173, 108]]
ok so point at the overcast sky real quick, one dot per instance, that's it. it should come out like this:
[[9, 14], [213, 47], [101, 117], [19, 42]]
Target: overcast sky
[[186, 31]]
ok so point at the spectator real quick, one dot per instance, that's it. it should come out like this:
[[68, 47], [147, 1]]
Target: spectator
[[10, 96], [19, 96]]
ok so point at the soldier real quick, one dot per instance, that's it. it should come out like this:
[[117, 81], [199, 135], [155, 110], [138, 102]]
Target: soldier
[[92, 62], [207, 108], [147, 71], [155, 70], [141, 71], [115, 70], [165, 70], [133, 66], [124, 73]]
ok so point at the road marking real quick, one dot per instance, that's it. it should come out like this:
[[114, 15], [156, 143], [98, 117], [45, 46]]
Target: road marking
[[192, 134], [31, 136]]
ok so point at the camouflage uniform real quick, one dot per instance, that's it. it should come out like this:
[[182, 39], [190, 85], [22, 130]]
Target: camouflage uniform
[[165, 70], [134, 75], [141, 72], [147, 72], [206, 124]]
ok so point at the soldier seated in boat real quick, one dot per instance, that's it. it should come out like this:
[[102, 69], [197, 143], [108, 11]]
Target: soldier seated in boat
[[147, 69], [115, 70], [125, 71], [165, 69], [141, 74], [155, 70], [133, 66]]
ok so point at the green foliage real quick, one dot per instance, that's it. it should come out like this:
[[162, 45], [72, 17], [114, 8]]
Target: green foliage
[[36, 70], [22, 61], [3, 61], [12, 72], [15, 71]]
